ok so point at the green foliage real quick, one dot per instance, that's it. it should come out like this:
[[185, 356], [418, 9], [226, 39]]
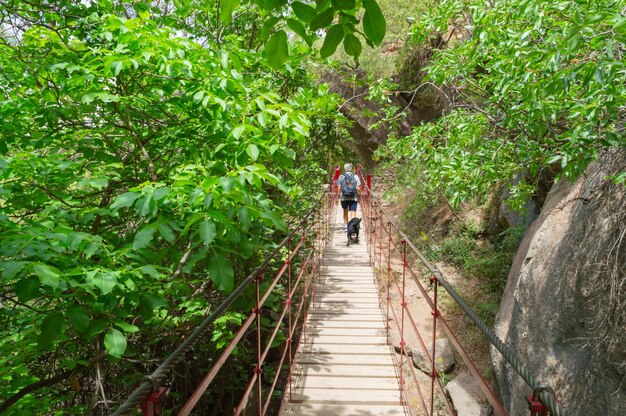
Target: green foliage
[[374, 24], [531, 84], [332, 40], [142, 175], [276, 49], [493, 266], [223, 328], [490, 265], [457, 249], [380, 61]]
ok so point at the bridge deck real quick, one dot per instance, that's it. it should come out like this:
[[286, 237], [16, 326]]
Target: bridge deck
[[344, 365]]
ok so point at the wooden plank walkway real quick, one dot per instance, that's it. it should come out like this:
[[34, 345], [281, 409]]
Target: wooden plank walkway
[[344, 366]]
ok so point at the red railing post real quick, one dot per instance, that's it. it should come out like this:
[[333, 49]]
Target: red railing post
[[151, 405], [433, 374], [534, 405], [258, 370], [289, 322], [403, 304], [388, 283], [373, 235], [380, 240]]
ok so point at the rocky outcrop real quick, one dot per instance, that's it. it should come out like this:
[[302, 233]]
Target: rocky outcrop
[[564, 306], [444, 357], [423, 105], [502, 216], [467, 398]]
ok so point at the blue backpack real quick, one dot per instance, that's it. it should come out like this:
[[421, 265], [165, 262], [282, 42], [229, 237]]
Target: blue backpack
[[348, 185]]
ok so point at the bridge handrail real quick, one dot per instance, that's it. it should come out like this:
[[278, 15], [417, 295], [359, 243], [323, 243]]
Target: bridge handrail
[[150, 382], [544, 393]]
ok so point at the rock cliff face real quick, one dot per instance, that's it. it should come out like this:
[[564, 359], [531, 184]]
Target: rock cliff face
[[564, 307], [425, 106]]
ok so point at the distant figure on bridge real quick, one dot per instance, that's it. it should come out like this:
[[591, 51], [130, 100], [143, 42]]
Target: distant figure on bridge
[[349, 189]]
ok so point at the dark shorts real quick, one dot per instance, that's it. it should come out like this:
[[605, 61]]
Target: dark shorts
[[349, 205]]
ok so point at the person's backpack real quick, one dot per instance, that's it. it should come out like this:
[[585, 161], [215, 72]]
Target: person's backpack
[[348, 185]]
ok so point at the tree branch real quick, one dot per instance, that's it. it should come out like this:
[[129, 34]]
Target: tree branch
[[31, 388]]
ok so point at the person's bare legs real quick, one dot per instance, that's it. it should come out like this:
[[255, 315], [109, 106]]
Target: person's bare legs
[[345, 217]]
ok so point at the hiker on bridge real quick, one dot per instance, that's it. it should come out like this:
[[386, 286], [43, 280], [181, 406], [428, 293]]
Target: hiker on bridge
[[349, 188]]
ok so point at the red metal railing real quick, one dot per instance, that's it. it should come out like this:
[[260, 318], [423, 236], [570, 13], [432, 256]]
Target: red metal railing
[[306, 246], [297, 260], [388, 245], [302, 283]]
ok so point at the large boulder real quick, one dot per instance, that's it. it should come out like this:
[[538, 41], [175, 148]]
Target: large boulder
[[444, 357], [564, 306], [502, 216], [467, 398]]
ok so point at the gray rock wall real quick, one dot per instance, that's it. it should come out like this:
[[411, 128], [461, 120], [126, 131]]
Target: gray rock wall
[[425, 106], [563, 310]]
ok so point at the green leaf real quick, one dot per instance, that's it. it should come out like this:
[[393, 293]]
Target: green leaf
[[322, 20], [227, 7], [48, 276], [116, 67], [352, 45], [103, 280], [124, 200], [150, 271], [146, 204], [221, 273], [88, 98], [374, 24], [51, 328], [143, 237], [227, 183], [149, 302], [27, 289], [253, 151], [333, 38], [198, 95], [208, 199], [96, 327], [11, 268], [78, 318], [166, 232], [262, 118], [267, 28], [160, 193], [277, 50], [125, 326], [115, 343], [207, 232], [343, 4], [274, 218], [304, 12], [299, 30], [238, 131], [268, 5], [244, 218]]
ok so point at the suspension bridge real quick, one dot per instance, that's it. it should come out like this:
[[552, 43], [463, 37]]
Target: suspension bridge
[[336, 315], [344, 365]]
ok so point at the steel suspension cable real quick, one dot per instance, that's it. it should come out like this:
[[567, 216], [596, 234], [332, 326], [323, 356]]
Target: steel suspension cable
[[151, 382]]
